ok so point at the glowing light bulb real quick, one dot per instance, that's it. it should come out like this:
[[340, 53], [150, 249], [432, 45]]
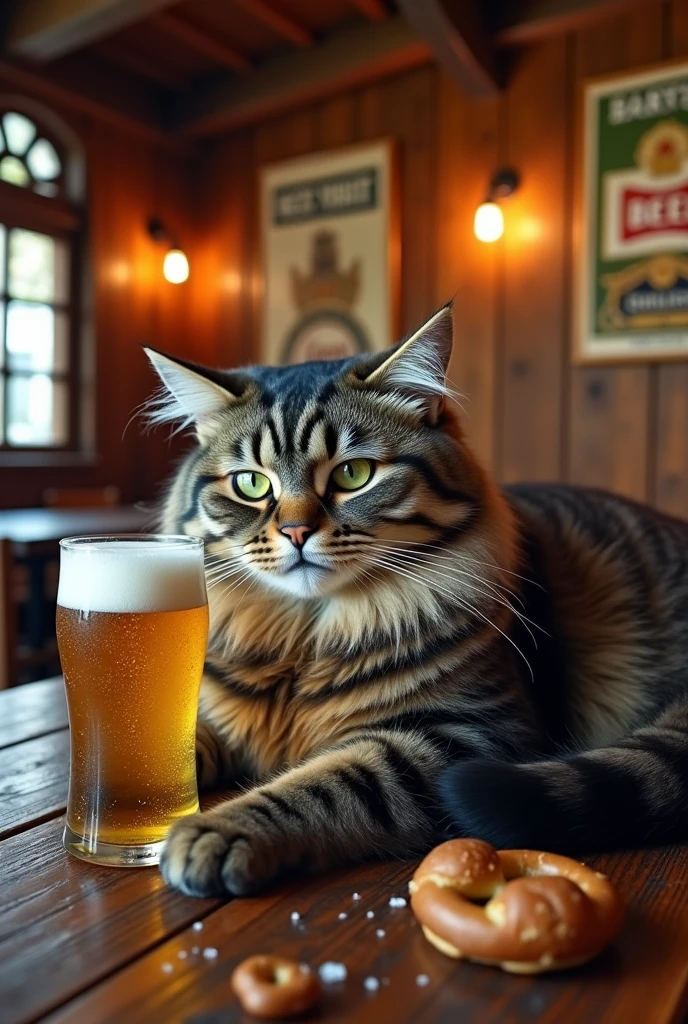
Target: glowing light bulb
[[175, 266], [488, 223]]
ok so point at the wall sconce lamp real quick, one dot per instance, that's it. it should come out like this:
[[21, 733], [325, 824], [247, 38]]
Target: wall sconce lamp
[[488, 223], [175, 266]]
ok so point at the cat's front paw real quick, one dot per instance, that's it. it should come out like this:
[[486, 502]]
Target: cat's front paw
[[219, 853]]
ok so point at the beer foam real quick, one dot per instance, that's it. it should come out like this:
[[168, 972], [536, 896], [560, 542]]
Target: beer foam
[[131, 576]]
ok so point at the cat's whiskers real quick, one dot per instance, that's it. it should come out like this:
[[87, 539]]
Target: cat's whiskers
[[450, 559], [228, 573], [411, 563], [494, 590], [237, 583], [401, 571], [470, 558]]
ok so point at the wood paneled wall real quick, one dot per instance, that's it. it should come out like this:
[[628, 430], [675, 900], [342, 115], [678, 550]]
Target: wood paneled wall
[[530, 414]]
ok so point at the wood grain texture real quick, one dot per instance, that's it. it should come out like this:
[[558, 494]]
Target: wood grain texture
[[33, 781], [33, 710], [64, 925], [535, 267], [670, 466], [466, 269], [644, 977], [671, 484], [407, 112], [611, 407]]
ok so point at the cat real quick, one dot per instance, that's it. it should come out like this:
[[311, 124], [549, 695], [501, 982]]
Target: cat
[[400, 652]]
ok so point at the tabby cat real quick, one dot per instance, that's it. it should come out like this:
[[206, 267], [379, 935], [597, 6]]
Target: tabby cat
[[399, 651]]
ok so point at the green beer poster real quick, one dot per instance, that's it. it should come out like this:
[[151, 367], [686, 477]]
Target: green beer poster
[[632, 288]]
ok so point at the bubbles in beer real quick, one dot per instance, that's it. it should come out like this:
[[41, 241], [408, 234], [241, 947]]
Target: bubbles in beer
[[132, 624]]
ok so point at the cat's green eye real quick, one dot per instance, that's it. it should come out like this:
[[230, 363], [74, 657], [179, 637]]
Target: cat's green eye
[[253, 486], [352, 475]]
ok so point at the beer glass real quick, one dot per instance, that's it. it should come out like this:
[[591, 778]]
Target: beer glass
[[132, 630]]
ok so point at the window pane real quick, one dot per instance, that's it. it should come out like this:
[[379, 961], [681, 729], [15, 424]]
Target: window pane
[[38, 268], [3, 236], [19, 132], [13, 171], [2, 334], [37, 337], [43, 161], [37, 411]]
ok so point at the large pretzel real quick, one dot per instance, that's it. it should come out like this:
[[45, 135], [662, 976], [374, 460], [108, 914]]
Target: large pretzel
[[543, 912]]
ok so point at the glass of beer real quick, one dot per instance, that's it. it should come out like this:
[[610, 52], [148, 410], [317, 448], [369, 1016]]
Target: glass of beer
[[132, 630]]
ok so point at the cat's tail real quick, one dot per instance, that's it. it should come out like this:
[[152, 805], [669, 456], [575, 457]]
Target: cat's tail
[[630, 794]]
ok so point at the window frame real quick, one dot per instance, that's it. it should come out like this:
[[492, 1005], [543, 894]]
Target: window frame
[[21, 207]]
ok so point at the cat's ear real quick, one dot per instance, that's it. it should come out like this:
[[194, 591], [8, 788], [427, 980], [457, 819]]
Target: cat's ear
[[416, 369], [190, 394]]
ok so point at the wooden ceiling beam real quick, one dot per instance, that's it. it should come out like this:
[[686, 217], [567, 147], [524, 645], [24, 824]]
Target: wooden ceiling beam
[[456, 36], [43, 30], [350, 57], [375, 10], [139, 64], [528, 21], [278, 22], [75, 87], [198, 40]]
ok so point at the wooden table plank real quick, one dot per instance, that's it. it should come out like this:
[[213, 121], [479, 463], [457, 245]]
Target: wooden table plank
[[64, 925], [32, 710], [34, 777], [644, 977]]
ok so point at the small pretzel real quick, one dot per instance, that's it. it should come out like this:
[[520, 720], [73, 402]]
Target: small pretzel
[[269, 986], [543, 912]]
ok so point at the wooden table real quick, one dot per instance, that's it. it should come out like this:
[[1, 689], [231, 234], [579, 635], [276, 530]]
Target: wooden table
[[80, 943], [28, 527]]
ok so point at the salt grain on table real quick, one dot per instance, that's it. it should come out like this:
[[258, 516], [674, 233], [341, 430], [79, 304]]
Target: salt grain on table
[[370, 913], [295, 916], [371, 984], [331, 972], [210, 953], [195, 950], [342, 916], [397, 901], [167, 968], [182, 954], [381, 933], [197, 926], [356, 896], [423, 980]]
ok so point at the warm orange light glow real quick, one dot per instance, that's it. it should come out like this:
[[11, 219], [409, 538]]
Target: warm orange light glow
[[176, 266], [488, 223]]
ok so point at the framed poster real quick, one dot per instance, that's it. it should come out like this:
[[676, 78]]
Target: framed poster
[[330, 253], [632, 281]]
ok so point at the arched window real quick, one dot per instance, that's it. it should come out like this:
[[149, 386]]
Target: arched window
[[40, 242]]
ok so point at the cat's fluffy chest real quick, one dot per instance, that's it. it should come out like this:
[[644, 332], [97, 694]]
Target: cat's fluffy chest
[[273, 717]]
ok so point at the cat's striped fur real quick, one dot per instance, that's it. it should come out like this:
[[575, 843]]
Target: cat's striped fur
[[454, 660]]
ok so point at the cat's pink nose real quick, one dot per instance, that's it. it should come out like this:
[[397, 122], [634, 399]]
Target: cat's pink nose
[[298, 533]]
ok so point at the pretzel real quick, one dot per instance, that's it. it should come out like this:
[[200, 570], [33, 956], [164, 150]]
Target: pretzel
[[270, 986], [543, 912]]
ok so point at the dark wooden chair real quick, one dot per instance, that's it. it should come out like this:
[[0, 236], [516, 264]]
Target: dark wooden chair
[[8, 617]]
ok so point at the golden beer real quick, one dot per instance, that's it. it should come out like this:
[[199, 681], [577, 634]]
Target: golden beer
[[132, 629]]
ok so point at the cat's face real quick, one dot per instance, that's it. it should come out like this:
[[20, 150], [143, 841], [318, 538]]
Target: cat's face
[[308, 477]]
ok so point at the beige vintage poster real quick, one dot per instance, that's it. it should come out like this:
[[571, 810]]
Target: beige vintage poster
[[329, 247]]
